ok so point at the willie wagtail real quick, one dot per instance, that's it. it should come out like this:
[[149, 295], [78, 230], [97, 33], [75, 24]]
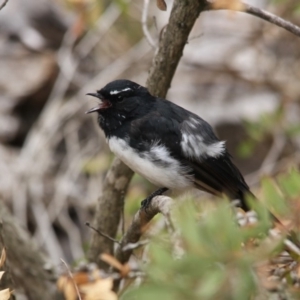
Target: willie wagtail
[[165, 143]]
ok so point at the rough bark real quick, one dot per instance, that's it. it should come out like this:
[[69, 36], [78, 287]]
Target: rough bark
[[26, 265], [109, 209], [175, 36]]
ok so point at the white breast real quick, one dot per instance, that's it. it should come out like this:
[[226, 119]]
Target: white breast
[[165, 172]]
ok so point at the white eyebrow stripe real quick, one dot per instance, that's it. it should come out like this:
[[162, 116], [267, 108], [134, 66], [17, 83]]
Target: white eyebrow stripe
[[117, 92]]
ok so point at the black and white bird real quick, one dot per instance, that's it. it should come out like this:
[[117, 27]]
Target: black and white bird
[[168, 145]]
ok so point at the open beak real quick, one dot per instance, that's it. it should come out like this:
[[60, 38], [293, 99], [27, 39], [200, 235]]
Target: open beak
[[103, 105], [93, 95], [97, 108]]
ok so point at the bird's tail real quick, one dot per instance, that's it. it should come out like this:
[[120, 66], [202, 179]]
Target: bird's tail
[[246, 194]]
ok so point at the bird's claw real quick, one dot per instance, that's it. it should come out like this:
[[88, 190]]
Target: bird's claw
[[145, 203]]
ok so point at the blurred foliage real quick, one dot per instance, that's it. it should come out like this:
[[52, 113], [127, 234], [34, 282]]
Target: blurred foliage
[[210, 257], [258, 130], [96, 164], [294, 6], [267, 125], [89, 11], [282, 196]]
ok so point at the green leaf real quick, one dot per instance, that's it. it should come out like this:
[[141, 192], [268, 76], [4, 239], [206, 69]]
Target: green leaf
[[293, 130], [264, 223], [297, 10], [246, 287], [273, 198], [123, 5], [290, 183], [186, 216], [150, 292], [161, 256], [211, 284], [255, 130], [246, 148]]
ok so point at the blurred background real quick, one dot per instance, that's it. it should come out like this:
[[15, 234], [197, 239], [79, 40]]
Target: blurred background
[[238, 72]]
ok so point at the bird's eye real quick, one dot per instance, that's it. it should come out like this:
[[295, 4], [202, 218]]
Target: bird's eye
[[120, 98]]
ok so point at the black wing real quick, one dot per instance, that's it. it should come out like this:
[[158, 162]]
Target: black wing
[[211, 163], [191, 140]]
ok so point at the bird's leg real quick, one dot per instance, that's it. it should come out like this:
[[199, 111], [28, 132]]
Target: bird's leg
[[146, 202]]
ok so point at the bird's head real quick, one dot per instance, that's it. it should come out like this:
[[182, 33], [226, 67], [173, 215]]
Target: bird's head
[[118, 95]]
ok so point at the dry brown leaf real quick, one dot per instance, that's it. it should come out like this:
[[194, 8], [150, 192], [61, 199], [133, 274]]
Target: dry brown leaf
[[3, 257], [66, 286], [81, 277], [99, 290], [161, 4], [126, 269], [228, 4], [1, 274], [111, 260], [5, 294]]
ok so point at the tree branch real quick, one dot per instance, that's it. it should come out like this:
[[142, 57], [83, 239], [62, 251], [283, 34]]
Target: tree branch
[[159, 204], [175, 36], [260, 13], [3, 4], [108, 212], [25, 261], [139, 224], [145, 25]]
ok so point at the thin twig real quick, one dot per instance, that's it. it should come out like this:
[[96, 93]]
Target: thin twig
[[159, 204], [72, 278], [145, 26], [132, 246], [271, 160], [194, 37], [267, 16], [102, 234], [292, 247], [262, 14], [274, 153], [3, 4]]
